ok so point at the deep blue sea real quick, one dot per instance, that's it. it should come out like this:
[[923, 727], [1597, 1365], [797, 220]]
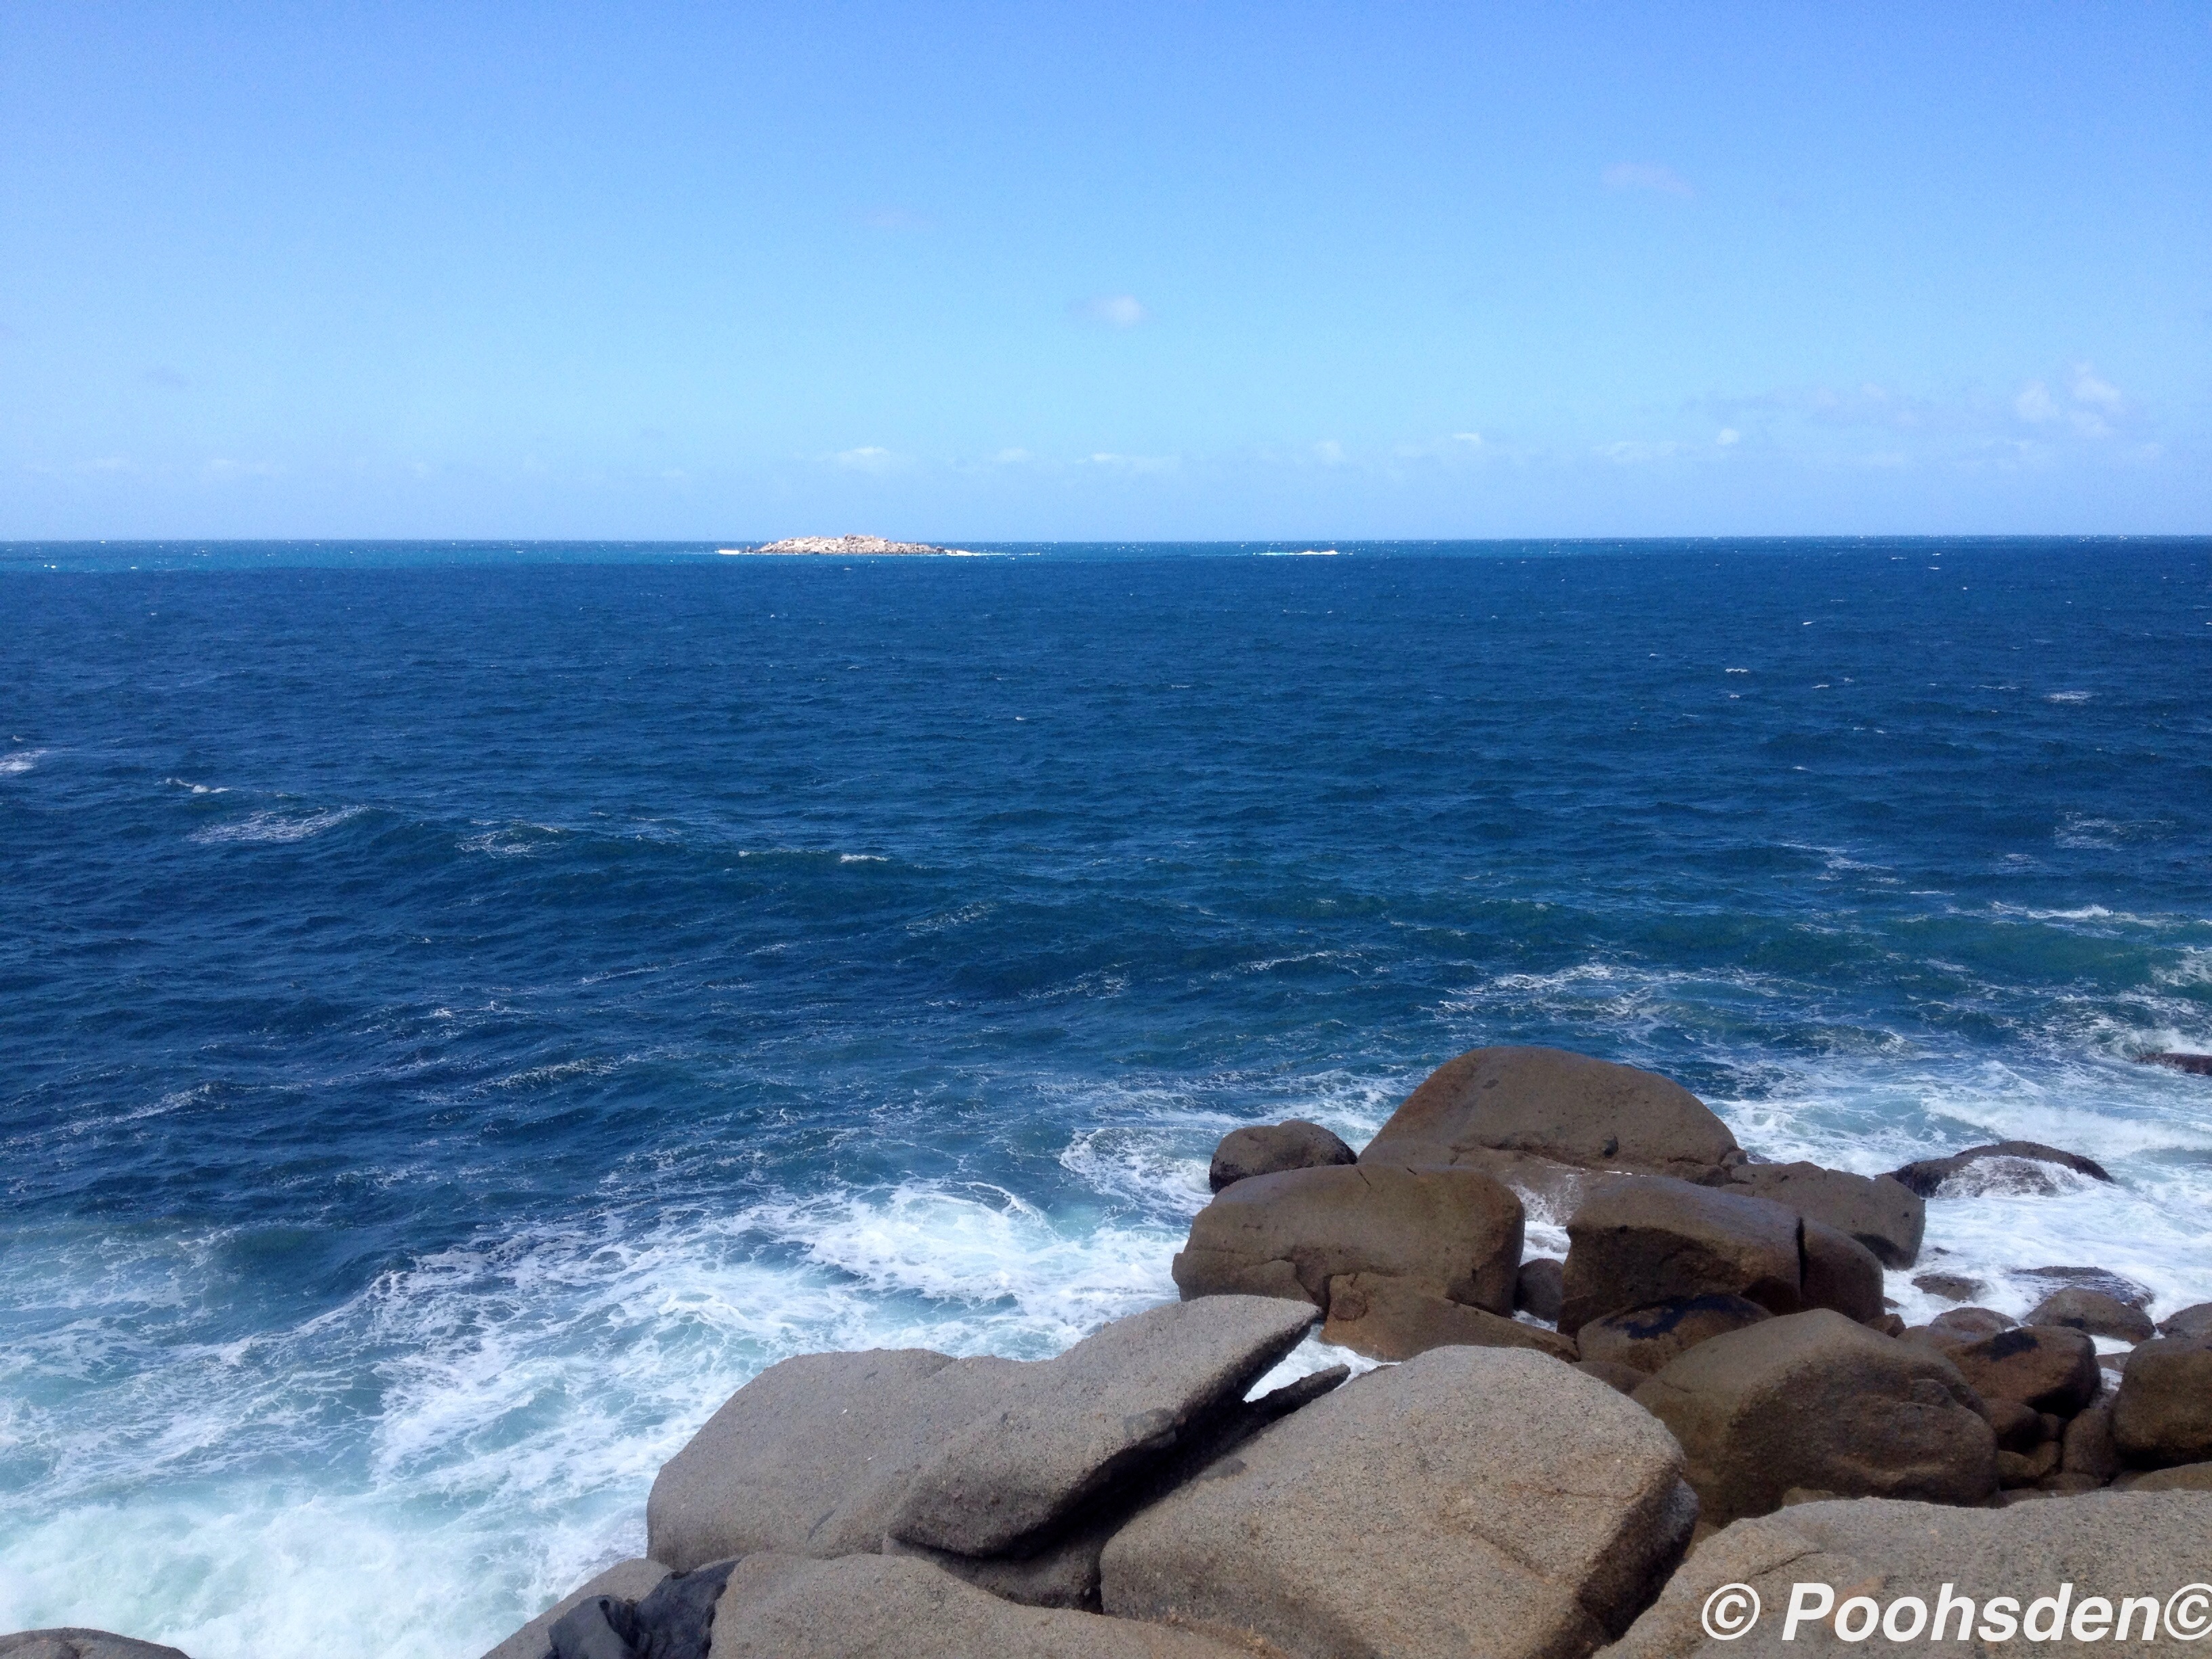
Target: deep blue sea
[[465, 1009]]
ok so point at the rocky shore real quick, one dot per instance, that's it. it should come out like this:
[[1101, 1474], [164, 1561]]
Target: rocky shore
[[1710, 1396]]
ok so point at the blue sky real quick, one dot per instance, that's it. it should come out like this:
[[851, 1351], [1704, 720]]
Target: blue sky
[[1028, 271]]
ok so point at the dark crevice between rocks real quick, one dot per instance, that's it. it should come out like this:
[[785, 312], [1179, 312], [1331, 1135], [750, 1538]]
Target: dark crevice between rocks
[[674, 1621]]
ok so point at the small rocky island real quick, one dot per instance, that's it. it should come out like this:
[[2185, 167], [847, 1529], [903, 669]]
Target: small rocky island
[[1708, 1400], [848, 546]]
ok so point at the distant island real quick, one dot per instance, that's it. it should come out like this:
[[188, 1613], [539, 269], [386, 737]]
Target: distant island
[[844, 544]]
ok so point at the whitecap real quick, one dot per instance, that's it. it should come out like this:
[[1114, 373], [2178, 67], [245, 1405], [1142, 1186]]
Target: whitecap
[[277, 827], [19, 761]]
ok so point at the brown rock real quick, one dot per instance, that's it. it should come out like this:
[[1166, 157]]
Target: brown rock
[[2162, 1414], [1397, 1318], [2119, 1286], [2094, 1312], [2027, 1469], [1540, 1287], [2003, 1166], [1290, 1233], [1646, 1339], [1839, 1272], [1626, 1378], [1557, 1105], [2196, 1064], [76, 1644], [1638, 1241], [2190, 1321], [2019, 1428], [1880, 1212], [2063, 1484], [1813, 1400], [1473, 1501], [2182, 1477], [2048, 1368], [1952, 1287], [2086, 1447], [1971, 1323], [1295, 1145]]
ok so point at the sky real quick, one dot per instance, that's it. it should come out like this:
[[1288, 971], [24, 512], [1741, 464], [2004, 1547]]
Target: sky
[[1087, 271]]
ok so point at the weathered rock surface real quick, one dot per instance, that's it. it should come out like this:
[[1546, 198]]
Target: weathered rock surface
[[2047, 1368], [2102, 1280], [628, 1579], [1881, 1212], [2086, 1448], [1952, 1287], [1556, 1105], [2094, 1312], [1647, 1339], [2190, 1321], [1639, 1241], [1813, 1400], [2162, 1414], [814, 1455], [1971, 1323], [1472, 1500], [1291, 1233], [74, 1643], [1540, 1287], [2002, 1166], [787, 1606], [2182, 1477], [1396, 1319], [2105, 1544], [1264, 1150], [1067, 1430], [1623, 1379], [1839, 1272]]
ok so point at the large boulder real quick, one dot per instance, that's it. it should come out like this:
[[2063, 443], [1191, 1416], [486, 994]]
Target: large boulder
[[1540, 1287], [787, 1606], [2107, 1545], [1839, 1272], [1881, 1212], [1648, 1339], [1814, 1401], [1637, 1241], [74, 1643], [1397, 1318], [2093, 1311], [813, 1456], [2195, 1321], [1067, 1430], [2162, 1414], [1556, 1105], [2046, 1368], [1290, 1234], [1471, 1501], [2003, 1167], [1267, 1149], [628, 1580]]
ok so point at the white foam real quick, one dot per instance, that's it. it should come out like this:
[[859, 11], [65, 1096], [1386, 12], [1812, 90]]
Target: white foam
[[19, 761], [277, 827]]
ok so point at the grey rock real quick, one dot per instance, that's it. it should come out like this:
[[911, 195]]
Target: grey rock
[[2162, 1414], [1396, 1318], [2119, 1286], [1646, 1339], [1068, 1430], [2093, 1311], [1263, 1149], [2105, 1544], [1470, 1501], [1638, 1241], [814, 1455], [1540, 1287], [2196, 1064], [72, 1642], [1952, 1287], [2002, 1166], [1813, 1400], [2190, 1321], [628, 1579], [2046, 1367], [1556, 1105], [884, 1607], [1839, 1272], [1972, 1324], [1880, 1212], [1290, 1234]]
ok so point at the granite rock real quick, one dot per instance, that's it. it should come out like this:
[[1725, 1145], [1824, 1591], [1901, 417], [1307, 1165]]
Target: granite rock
[[1266, 1149], [1638, 1241]]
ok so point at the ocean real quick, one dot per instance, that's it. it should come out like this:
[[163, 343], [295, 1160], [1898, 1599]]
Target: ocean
[[466, 1008]]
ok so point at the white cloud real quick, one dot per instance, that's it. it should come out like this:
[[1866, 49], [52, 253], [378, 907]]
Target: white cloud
[[1133, 463], [1634, 453], [1011, 458], [2035, 404], [2089, 389], [1328, 452], [1473, 440], [1110, 311], [1646, 175], [866, 458], [1728, 435]]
